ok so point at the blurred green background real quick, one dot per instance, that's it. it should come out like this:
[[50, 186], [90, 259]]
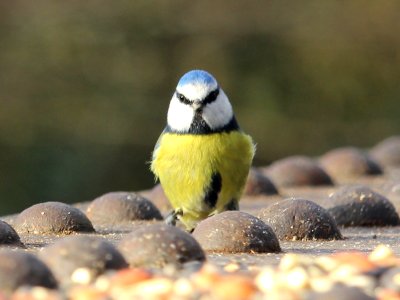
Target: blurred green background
[[85, 85]]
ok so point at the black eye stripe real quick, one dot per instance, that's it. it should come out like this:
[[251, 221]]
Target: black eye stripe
[[211, 97], [182, 98]]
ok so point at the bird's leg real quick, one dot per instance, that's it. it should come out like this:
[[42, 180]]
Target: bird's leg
[[171, 218], [233, 205]]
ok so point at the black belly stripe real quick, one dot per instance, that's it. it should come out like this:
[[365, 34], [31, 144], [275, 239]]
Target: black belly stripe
[[213, 190]]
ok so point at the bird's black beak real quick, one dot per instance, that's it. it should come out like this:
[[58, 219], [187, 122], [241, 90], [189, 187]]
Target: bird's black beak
[[197, 105]]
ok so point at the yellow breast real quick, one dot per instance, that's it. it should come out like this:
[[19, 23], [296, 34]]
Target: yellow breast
[[185, 163]]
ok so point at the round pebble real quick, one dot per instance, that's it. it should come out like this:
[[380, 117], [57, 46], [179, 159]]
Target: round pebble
[[387, 152], [121, 207], [348, 162], [52, 218], [80, 259], [360, 206], [158, 245], [391, 188], [8, 236], [236, 232], [300, 219], [297, 171], [19, 268], [259, 184], [158, 197]]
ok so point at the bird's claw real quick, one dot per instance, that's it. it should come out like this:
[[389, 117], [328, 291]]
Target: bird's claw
[[171, 218]]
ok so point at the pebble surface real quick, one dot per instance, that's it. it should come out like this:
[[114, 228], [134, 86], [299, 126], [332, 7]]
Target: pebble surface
[[8, 236], [259, 184], [52, 218], [236, 232], [121, 207], [158, 245], [158, 197], [349, 162], [297, 171], [358, 205], [19, 268], [300, 219], [80, 259], [387, 152]]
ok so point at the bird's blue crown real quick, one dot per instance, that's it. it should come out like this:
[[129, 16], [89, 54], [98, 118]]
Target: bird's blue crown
[[197, 76]]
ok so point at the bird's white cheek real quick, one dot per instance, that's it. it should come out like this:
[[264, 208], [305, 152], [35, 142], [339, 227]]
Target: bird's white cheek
[[180, 115], [218, 113]]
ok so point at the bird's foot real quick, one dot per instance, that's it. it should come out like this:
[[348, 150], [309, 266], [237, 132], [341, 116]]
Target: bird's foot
[[233, 205], [171, 218]]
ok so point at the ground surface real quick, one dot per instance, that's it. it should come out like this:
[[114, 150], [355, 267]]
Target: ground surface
[[363, 239]]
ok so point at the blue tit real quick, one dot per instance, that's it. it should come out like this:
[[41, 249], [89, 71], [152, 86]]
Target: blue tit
[[202, 157]]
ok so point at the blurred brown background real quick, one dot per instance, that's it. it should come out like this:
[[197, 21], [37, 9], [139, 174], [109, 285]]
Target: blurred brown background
[[85, 85]]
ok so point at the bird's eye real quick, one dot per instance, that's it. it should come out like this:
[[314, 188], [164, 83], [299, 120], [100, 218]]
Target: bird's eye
[[182, 98]]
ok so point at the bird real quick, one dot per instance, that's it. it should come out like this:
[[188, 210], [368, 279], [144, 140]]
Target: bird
[[202, 158]]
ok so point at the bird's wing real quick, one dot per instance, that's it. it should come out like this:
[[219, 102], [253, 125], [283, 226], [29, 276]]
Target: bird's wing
[[158, 143]]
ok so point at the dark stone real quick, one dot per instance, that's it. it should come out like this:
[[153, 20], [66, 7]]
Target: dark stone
[[387, 152], [121, 207], [360, 206], [297, 171], [349, 162], [52, 218], [95, 254], [8, 236], [341, 292], [158, 197], [157, 245], [259, 184], [300, 219], [19, 268], [236, 232]]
